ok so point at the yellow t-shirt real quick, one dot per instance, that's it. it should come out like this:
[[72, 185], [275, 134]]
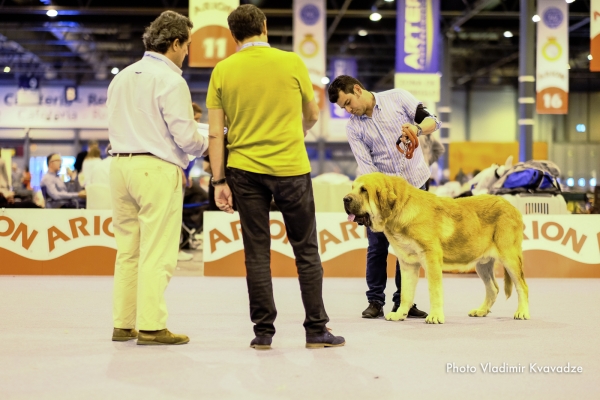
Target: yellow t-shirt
[[261, 91]]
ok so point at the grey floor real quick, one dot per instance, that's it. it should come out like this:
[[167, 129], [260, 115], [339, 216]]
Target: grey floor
[[55, 344]]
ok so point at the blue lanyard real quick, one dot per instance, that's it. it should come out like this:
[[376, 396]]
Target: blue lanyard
[[250, 44], [156, 58]]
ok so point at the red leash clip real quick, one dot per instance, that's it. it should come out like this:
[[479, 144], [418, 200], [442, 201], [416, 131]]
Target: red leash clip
[[411, 144]]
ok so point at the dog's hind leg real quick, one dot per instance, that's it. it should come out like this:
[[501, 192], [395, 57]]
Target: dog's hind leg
[[408, 286], [513, 266], [485, 270]]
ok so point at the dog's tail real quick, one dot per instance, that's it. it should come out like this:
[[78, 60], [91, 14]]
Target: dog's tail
[[507, 284]]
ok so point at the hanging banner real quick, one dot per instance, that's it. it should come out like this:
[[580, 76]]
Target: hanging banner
[[418, 48], [341, 66], [211, 37], [309, 42], [595, 35], [52, 109], [552, 75]]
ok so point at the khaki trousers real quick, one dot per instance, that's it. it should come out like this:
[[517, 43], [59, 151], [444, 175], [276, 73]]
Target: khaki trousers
[[147, 209]]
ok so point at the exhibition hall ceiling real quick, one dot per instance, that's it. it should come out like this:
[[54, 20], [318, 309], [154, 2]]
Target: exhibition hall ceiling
[[88, 38]]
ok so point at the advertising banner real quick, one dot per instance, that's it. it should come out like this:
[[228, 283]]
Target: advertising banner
[[595, 35], [341, 66], [211, 37], [553, 246], [81, 242], [309, 42], [552, 74], [52, 110], [56, 242], [417, 48]]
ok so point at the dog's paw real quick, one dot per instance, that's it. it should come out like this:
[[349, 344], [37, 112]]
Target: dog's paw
[[478, 312], [522, 314], [435, 318], [395, 316]]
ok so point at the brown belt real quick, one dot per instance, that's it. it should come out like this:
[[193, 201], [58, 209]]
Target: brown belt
[[132, 154]]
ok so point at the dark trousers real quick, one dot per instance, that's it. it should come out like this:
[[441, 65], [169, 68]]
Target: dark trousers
[[293, 195], [377, 253]]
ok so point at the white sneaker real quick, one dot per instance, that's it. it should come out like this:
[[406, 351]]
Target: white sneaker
[[183, 256]]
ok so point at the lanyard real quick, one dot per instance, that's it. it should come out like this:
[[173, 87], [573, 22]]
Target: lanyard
[[250, 44]]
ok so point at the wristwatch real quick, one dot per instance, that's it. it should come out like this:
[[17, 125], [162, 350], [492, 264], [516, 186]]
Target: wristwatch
[[217, 183], [419, 130]]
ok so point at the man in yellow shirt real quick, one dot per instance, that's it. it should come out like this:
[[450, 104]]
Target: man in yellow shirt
[[268, 99]]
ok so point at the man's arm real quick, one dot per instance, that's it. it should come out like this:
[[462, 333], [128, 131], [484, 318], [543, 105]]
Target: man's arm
[[216, 152], [176, 106], [54, 193], [310, 115], [361, 152]]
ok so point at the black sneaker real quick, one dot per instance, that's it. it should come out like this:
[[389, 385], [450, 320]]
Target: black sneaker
[[261, 343], [414, 312], [325, 339], [375, 310]]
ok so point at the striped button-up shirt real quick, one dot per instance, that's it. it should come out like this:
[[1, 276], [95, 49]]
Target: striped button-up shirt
[[373, 139]]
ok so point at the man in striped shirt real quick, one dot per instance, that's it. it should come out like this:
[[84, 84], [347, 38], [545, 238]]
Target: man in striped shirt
[[377, 122]]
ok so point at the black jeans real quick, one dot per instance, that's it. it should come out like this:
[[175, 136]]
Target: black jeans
[[252, 194], [377, 253]]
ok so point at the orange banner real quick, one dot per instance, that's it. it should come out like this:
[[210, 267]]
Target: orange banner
[[595, 35], [211, 37]]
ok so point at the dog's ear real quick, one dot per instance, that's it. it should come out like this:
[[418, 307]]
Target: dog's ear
[[387, 199]]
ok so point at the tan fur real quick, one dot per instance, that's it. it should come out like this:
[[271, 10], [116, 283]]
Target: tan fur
[[443, 234]]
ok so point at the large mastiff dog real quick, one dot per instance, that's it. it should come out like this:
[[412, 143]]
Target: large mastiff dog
[[442, 234]]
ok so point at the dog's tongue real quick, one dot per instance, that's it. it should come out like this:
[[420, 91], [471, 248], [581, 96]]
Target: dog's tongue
[[351, 217]]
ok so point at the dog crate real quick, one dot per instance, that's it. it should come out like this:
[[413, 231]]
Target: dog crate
[[538, 203]]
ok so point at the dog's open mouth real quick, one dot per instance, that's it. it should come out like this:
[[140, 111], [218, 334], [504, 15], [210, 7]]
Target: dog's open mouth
[[360, 219]]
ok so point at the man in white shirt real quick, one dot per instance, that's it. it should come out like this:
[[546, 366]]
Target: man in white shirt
[[152, 130]]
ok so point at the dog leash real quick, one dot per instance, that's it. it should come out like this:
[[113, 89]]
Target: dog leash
[[410, 145]]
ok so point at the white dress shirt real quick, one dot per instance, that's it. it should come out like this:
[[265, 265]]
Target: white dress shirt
[[150, 111]]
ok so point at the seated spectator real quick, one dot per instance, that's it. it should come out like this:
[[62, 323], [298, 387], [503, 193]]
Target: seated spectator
[[57, 195], [26, 179]]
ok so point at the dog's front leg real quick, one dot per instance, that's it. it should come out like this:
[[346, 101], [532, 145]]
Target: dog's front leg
[[410, 277], [433, 270]]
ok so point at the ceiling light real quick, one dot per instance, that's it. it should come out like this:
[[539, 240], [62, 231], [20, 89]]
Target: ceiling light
[[536, 18], [375, 16], [593, 182], [363, 32], [324, 80], [389, 1], [570, 1], [52, 13], [114, 71], [7, 69], [508, 34], [590, 57]]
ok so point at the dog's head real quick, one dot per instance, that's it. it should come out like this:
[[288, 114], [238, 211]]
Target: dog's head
[[371, 201]]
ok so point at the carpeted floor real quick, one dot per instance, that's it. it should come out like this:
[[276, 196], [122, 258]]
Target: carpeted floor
[[55, 344]]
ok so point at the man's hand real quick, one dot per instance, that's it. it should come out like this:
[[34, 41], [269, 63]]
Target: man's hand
[[408, 129], [82, 194], [223, 198]]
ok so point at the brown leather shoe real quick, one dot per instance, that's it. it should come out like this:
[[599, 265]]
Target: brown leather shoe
[[162, 337], [123, 335]]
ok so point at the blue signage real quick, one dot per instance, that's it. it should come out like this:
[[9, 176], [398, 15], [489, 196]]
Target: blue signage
[[553, 17], [341, 66], [309, 14], [417, 36]]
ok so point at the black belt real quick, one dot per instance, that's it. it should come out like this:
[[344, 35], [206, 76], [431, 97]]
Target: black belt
[[132, 154]]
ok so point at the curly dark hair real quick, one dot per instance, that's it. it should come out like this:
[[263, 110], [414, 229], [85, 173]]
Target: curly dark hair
[[163, 31], [246, 21], [344, 83]]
